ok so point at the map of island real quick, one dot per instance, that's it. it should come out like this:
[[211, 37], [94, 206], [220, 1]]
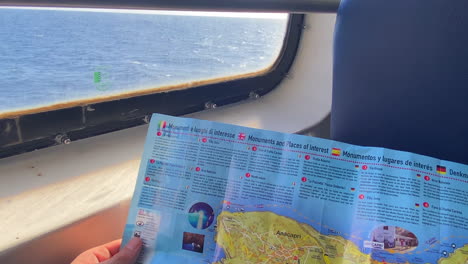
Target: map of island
[[265, 237]]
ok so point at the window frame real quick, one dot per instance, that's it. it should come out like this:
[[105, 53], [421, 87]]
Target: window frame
[[32, 131], [283, 6]]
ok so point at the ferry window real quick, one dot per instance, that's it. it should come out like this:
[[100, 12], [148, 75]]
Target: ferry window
[[54, 57], [71, 73]]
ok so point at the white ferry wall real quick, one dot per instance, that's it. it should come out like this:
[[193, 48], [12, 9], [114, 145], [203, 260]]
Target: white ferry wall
[[82, 196]]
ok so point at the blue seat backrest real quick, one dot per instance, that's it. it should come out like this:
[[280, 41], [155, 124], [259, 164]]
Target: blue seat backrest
[[401, 76]]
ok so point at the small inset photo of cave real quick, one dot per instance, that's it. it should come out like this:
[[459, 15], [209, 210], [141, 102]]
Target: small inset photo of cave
[[193, 242]]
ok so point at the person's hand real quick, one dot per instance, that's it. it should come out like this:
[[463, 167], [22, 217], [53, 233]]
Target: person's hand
[[109, 253]]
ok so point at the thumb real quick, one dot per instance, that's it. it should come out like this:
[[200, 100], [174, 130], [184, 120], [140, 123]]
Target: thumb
[[128, 254]]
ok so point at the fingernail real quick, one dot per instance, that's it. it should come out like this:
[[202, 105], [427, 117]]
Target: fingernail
[[133, 244]]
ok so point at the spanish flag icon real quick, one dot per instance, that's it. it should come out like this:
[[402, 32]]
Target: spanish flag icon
[[336, 152], [441, 170]]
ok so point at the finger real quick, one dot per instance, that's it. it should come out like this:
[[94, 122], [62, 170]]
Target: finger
[[113, 246], [128, 254], [106, 251], [99, 253]]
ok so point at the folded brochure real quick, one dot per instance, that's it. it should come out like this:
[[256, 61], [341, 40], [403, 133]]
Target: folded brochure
[[209, 192]]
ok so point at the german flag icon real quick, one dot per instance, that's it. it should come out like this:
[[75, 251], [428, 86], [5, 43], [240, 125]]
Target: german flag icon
[[356, 166], [336, 152], [416, 204], [353, 189], [441, 170]]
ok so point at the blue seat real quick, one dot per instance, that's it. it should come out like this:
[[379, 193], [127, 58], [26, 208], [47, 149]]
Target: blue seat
[[401, 76]]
